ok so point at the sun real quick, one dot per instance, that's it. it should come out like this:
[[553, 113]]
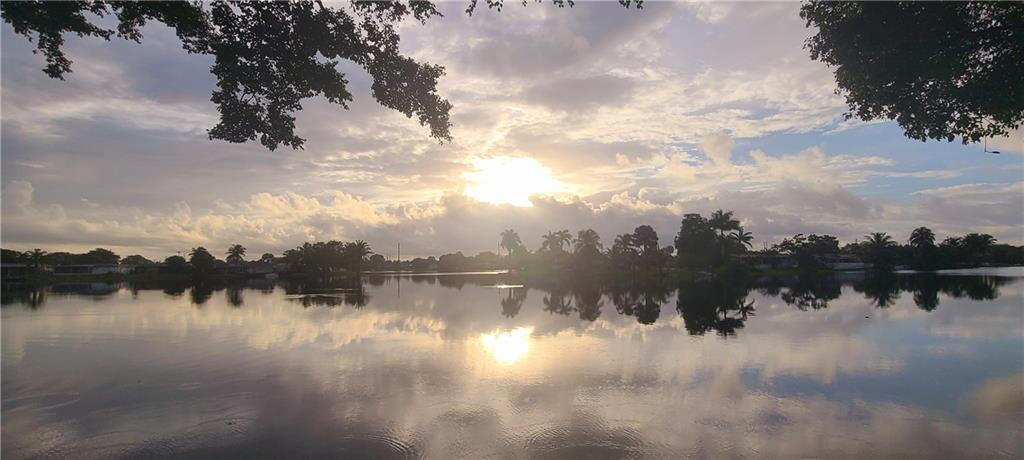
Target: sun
[[509, 180]]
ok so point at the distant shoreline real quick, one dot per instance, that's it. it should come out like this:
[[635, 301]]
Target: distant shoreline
[[50, 279]]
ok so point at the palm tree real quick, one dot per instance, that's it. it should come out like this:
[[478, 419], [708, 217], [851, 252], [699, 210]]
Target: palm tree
[[624, 252], [922, 237], [626, 241], [742, 237], [587, 239], [236, 253], [563, 237], [879, 240], [978, 242], [549, 241], [923, 241], [877, 246], [36, 257], [510, 241], [976, 246], [355, 252], [723, 222]]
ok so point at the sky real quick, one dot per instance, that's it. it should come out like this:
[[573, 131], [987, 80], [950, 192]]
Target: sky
[[585, 117]]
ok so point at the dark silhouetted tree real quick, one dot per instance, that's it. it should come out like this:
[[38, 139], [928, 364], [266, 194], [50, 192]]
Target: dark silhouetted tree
[[135, 259], [176, 264], [722, 221], [97, 256], [587, 240], [624, 254], [940, 69], [646, 240], [921, 237], [268, 56], [808, 250], [510, 241], [878, 248], [556, 241], [235, 254], [202, 262], [922, 243], [741, 238], [695, 242], [10, 256], [377, 261], [355, 252], [35, 258], [976, 246]]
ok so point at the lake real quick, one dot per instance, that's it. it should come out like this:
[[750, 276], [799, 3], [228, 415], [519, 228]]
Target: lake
[[472, 366]]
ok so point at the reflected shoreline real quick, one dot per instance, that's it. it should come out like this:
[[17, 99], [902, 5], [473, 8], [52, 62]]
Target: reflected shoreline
[[719, 305]]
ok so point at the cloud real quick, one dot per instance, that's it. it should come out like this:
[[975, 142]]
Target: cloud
[[1000, 398], [644, 115], [997, 209], [578, 94], [264, 220], [17, 195]]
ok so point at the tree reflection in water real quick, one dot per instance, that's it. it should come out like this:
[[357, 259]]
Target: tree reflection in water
[[30, 296], [718, 305], [558, 302], [588, 302], [640, 298], [331, 293], [721, 305], [513, 302], [811, 291], [882, 289], [200, 293], [234, 296]]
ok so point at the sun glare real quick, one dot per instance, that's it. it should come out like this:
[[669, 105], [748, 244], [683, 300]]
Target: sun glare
[[508, 347], [509, 180]]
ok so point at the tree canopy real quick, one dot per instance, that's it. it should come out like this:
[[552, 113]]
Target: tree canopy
[[268, 56], [941, 70]]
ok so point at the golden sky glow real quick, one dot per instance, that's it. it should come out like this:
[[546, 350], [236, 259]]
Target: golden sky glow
[[509, 180]]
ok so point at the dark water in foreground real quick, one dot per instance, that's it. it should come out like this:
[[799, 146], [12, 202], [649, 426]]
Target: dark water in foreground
[[450, 367]]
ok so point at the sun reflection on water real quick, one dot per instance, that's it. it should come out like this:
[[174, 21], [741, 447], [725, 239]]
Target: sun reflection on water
[[508, 347]]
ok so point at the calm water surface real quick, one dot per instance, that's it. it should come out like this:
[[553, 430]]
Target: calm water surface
[[472, 367]]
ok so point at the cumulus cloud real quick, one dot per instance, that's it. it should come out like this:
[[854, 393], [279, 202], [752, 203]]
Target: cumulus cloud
[[264, 220], [643, 115]]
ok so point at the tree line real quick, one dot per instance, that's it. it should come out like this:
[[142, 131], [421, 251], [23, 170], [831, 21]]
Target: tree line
[[321, 258], [718, 243], [715, 244]]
